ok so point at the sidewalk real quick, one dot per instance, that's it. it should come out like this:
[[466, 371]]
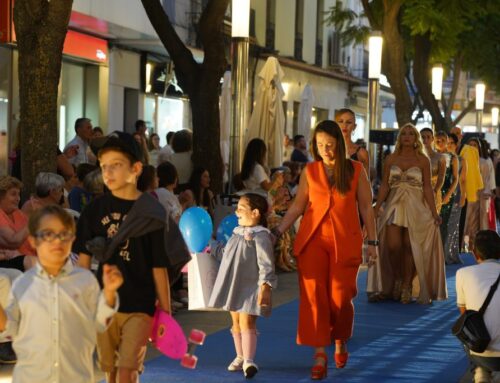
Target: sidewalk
[[391, 343]]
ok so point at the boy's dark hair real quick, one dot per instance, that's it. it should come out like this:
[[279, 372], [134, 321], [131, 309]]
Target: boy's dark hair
[[147, 178], [297, 138], [119, 142], [98, 129], [256, 201], [167, 174], [83, 169], [487, 244], [55, 210], [139, 124], [182, 141], [169, 137]]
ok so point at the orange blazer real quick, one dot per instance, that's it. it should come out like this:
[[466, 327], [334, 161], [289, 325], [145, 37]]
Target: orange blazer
[[343, 211]]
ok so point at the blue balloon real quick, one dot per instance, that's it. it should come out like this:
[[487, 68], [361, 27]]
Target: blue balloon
[[226, 227], [196, 228]]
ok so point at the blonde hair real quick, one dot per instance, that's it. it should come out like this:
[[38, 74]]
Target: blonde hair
[[7, 183], [419, 146]]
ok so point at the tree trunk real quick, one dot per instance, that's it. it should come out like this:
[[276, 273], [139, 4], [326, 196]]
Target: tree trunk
[[200, 82], [41, 28], [421, 70], [393, 61]]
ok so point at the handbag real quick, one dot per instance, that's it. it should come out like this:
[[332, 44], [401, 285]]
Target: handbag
[[470, 328], [202, 273]]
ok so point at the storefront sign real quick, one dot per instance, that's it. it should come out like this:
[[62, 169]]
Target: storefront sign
[[77, 44], [5, 20]]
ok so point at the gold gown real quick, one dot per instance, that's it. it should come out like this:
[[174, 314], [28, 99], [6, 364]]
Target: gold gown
[[435, 158], [405, 206]]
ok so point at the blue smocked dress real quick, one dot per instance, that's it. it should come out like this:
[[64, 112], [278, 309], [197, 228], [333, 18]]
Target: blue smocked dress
[[247, 262]]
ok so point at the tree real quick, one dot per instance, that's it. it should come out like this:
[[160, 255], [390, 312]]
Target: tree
[[201, 82], [41, 28], [420, 33]]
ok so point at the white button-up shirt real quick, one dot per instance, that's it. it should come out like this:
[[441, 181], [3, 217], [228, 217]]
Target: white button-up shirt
[[53, 323], [84, 154]]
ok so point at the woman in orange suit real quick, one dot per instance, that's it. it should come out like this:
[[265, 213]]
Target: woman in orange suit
[[328, 245]]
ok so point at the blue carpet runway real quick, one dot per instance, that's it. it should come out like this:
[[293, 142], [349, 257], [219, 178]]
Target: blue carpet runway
[[391, 343]]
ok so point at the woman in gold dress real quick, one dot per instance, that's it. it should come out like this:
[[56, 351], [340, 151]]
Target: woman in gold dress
[[411, 262]]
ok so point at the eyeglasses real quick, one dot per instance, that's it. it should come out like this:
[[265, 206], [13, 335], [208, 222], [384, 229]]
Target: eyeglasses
[[49, 236]]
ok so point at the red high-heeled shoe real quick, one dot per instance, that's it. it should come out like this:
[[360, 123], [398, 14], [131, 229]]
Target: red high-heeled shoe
[[341, 357], [319, 371]]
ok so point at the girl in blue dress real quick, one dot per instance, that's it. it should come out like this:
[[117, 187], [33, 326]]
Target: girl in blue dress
[[245, 279]]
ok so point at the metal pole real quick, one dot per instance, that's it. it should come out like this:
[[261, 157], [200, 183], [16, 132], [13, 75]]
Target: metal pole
[[373, 90], [239, 118], [479, 119]]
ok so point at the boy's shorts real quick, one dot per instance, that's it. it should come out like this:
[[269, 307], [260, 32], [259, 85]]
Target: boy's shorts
[[123, 344]]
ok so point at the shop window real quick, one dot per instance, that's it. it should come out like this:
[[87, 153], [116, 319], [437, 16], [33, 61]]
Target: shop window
[[71, 104]]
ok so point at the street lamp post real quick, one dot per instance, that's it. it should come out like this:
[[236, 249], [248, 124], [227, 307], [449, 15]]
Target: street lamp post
[[374, 69], [240, 24], [494, 122], [437, 84], [480, 89], [437, 81]]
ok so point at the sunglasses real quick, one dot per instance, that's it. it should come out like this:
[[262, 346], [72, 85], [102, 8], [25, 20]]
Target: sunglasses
[[49, 236]]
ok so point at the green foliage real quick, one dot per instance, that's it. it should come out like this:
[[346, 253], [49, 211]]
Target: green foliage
[[482, 49], [453, 27], [348, 23]]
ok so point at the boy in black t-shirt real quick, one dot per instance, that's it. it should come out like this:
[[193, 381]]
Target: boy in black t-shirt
[[142, 261]]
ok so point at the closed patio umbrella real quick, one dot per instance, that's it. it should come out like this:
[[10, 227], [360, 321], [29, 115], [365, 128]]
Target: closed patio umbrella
[[268, 117], [305, 112], [225, 121]]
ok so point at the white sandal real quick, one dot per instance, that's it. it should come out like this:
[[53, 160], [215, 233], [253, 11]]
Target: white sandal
[[236, 364]]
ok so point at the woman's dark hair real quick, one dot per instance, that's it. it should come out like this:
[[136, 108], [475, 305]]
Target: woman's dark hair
[[344, 169], [151, 146], [147, 178], [441, 133], [256, 201], [182, 141], [454, 137], [167, 174], [427, 130], [195, 186], [254, 153], [487, 244], [478, 142], [484, 148]]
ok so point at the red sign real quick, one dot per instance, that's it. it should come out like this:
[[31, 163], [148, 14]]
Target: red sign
[[6, 22], [76, 44], [87, 47]]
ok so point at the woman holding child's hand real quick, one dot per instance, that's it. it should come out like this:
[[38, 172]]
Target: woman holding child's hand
[[328, 245]]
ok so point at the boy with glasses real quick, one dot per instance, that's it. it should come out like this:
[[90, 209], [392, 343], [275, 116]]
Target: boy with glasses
[[55, 308]]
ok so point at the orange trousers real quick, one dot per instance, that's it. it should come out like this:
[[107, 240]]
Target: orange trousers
[[327, 288]]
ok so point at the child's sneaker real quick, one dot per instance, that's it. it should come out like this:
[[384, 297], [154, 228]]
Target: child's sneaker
[[250, 369], [236, 364]]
